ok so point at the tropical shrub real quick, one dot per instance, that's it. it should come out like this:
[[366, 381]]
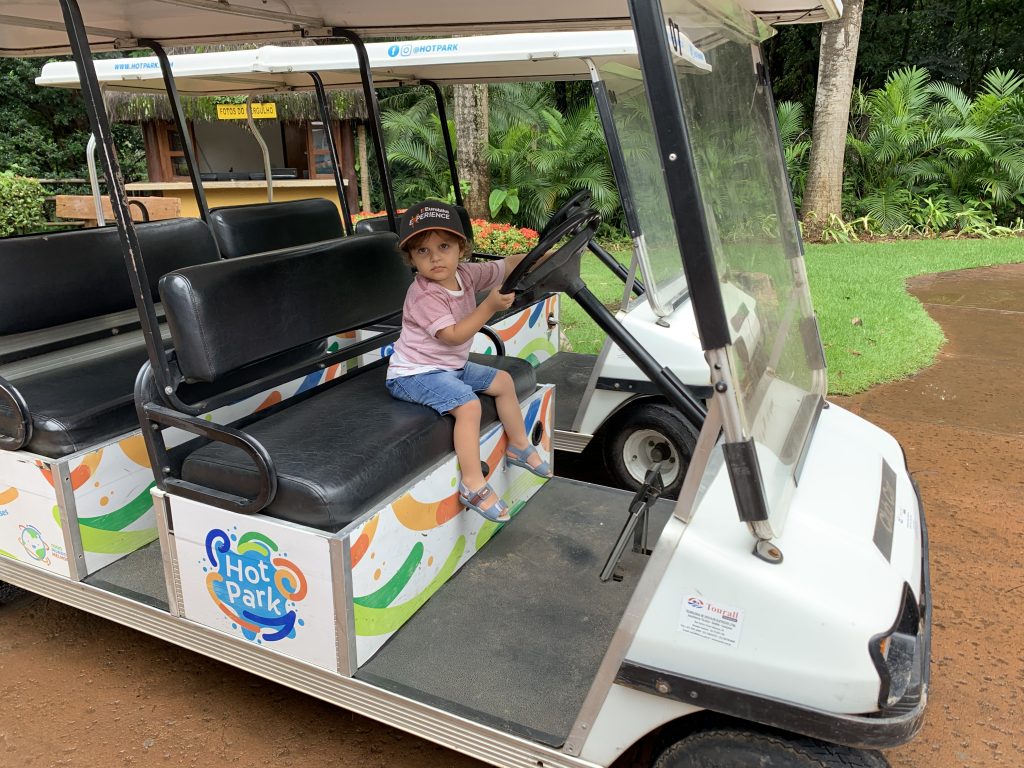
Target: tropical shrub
[[925, 157], [488, 237], [539, 157], [21, 204], [502, 239]]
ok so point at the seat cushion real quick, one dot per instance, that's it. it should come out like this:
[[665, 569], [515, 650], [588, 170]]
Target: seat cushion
[[246, 229], [342, 448], [80, 404]]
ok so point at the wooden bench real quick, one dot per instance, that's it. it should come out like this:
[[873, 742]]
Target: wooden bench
[[83, 208]]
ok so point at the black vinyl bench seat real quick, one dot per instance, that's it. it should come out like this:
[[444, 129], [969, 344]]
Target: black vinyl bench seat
[[242, 230], [346, 447], [334, 450], [64, 278]]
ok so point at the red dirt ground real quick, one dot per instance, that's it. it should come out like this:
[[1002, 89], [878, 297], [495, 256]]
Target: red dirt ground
[[80, 691]]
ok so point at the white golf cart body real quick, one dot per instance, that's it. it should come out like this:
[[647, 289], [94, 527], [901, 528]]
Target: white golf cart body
[[787, 588]]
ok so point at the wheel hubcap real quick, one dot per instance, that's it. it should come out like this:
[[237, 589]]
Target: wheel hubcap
[[643, 449]]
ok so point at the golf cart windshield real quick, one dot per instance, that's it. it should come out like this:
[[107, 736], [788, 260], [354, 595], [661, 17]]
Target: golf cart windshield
[[778, 372]]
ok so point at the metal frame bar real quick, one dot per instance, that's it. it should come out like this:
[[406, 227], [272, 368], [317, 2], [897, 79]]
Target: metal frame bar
[[94, 180], [680, 173], [93, 99], [182, 125], [373, 107], [165, 532], [448, 148], [66, 509], [325, 118], [16, 402], [344, 616]]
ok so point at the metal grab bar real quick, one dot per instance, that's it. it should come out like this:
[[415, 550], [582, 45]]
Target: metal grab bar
[[499, 344], [265, 471], [23, 434]]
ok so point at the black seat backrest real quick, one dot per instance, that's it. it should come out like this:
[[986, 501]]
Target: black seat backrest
[[380, 223], [246, 229], [54, 279], [308, 293]]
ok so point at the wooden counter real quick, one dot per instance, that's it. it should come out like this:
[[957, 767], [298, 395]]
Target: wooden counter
[[227, 193]]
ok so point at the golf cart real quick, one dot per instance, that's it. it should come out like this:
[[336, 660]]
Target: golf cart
[[604, 399], [778, 612]]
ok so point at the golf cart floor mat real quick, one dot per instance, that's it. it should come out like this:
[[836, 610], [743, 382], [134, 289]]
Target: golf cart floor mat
[[515, 639], [570, 373], [139, 576]]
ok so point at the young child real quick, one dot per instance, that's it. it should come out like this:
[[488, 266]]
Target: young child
[[430, 363]]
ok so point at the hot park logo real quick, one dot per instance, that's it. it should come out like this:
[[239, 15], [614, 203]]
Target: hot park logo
[[253, 585]]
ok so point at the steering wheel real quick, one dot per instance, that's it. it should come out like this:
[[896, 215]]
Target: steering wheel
[[578, 201], [543, 272]]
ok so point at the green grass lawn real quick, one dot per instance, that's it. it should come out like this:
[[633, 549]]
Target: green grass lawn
[[895, 336]]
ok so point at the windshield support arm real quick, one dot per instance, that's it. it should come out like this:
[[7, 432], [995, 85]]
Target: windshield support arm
[[662, 377]]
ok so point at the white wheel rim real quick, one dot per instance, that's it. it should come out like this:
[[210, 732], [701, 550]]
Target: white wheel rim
[[639, 451]]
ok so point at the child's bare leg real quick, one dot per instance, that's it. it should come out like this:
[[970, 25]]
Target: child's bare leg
[[467, 443], [503, 391]]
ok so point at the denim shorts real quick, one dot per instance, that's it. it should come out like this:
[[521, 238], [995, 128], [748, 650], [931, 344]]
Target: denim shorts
[[443, 391]]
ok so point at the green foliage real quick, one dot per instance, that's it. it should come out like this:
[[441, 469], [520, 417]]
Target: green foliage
[[958, 41], [21, 204], [924, 158], [538, 155], [796, 145], [503, 198], [45, 130], [922, 155], [544, 156], [416, 153]]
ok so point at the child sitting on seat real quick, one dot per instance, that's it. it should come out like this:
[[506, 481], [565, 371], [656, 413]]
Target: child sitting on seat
[[430, 363]]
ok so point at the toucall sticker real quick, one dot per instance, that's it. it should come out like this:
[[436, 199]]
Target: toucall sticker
[[710, 620]]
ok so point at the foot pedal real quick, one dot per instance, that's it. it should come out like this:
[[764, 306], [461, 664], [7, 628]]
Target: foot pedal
[[636, 523]]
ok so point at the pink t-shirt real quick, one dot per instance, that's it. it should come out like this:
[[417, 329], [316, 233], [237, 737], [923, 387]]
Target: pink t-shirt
[[430, 307]]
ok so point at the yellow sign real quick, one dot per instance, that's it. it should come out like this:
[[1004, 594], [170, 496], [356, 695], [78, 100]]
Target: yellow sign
[[238, 111]]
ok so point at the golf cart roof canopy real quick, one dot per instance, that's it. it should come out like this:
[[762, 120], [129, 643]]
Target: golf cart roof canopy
[[499, 58], [36, 27]]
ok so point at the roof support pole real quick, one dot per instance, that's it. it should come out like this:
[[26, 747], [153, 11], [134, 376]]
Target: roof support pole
[[182, 126], [130, 249], [439, 98], [325, 118], [370, 96]]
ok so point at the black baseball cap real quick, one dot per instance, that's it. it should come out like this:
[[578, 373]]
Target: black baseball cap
[[430, 214]]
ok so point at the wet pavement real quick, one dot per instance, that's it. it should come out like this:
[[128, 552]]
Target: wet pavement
[[961, 423], [82, 691]]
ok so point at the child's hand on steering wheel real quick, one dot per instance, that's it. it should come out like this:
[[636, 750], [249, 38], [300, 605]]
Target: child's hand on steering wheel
[[497, 301]]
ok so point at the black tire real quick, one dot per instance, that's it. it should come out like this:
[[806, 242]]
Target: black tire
[[9, 593], [638, 435], [729, 748]]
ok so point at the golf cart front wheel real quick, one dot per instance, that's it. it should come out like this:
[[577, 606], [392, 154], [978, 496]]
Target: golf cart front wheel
[[728, 748], [644, 435], [9, 593]]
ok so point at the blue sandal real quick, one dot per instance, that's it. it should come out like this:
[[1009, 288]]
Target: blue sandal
[[521, 459], [486, 502]]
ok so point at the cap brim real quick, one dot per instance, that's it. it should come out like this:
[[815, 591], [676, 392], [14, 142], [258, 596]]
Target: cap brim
[[429, 229]]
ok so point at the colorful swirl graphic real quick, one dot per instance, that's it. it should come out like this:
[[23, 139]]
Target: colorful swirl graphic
[[253, 586]]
